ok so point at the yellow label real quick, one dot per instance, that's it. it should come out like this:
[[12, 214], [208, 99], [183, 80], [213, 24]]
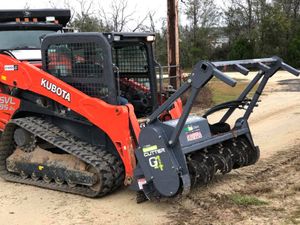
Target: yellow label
[[3, 77], [150, 148], [160, 164], [40, 167]]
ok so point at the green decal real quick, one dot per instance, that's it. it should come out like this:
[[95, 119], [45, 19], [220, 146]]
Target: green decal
[[160, 164], [150, 148], [188, 129]]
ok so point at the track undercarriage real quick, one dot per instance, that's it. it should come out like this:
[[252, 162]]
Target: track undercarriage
[[67, 165]]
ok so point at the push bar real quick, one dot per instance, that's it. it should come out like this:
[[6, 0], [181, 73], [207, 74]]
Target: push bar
[[226, 79], [204, 71], [242, 66], [267, 66], [290, 69]]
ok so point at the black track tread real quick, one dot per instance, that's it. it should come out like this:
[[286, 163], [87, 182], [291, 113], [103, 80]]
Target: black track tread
[[110, 168]]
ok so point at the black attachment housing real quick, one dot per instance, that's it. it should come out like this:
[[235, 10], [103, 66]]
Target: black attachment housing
[[176, 154]]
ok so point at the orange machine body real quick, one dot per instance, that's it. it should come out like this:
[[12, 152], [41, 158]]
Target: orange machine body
[[115, 120]]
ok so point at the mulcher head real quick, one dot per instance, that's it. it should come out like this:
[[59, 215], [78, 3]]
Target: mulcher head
[[175, 155]]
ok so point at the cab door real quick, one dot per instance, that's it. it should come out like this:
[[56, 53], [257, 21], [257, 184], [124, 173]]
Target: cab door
[[82, 60]]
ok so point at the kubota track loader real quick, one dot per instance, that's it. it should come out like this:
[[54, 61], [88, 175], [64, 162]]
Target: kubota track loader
[[73, 126]]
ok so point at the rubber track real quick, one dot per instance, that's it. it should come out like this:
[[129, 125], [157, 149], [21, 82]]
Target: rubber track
[[109, 167]]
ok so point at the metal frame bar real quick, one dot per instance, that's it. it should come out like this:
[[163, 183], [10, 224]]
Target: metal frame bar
[[243, 95], [161, 78], [202, 73], [264, 75], [205, 71]]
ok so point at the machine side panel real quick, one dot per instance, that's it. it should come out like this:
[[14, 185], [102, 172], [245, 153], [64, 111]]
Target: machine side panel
[[107, 117], [8, 106]]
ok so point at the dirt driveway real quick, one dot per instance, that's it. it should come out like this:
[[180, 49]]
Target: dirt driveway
[[274, 180]]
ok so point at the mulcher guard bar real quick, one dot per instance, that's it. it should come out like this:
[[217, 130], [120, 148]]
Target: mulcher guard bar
[[175, 155]]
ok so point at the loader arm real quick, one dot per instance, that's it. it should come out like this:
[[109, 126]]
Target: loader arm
[[202, 73]]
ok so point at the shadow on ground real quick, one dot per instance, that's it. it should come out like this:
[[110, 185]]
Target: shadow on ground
[[290, 85]]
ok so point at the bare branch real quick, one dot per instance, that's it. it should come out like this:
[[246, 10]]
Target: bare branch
[[52, 4], [152, 23], [118, 17], [141, 22], [27, 5]]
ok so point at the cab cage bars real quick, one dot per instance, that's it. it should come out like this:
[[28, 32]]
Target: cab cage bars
[[204, 71]]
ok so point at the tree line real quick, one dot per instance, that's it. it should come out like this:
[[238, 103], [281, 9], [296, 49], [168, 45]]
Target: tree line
[[242, 29], [238, 30]]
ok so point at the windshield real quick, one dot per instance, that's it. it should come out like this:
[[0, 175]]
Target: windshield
[[22, 39]]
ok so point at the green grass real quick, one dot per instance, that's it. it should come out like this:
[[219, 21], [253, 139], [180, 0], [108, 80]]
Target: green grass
[[223, 93], [246, 200]]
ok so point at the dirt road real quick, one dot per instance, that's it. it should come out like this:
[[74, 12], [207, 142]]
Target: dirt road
[[275, 127], [267, 193]]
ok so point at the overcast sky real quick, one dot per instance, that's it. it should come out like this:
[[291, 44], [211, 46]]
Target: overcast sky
[[139, 7]]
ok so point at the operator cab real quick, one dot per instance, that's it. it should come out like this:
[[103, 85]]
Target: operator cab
[[133, 60], [115, 67], [21, 31]]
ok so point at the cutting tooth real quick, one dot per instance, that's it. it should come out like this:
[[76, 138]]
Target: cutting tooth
[[203, 165]]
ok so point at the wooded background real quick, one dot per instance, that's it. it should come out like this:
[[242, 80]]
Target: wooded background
[[241, 29]]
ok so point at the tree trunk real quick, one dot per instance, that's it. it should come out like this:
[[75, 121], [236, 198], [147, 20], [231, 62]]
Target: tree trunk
[[173, 42]]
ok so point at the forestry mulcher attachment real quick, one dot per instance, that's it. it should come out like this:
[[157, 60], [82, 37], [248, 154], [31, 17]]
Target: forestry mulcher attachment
[[175, 155], [73, 126]]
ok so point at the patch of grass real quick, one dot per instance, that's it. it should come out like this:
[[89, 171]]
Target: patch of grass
[[220, 92], [203, 100], [223, 93], [246, 200]]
